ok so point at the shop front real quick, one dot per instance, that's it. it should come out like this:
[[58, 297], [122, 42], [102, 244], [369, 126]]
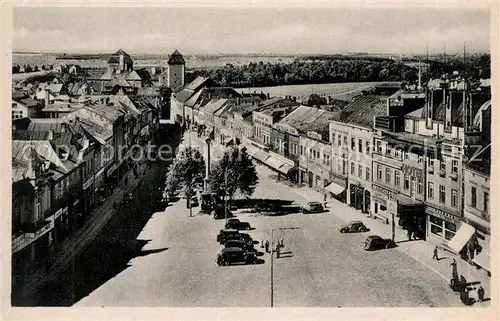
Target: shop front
[[442, 226]]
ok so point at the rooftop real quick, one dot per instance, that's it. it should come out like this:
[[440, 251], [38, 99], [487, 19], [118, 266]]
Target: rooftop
[[363, 111], [176, 58]]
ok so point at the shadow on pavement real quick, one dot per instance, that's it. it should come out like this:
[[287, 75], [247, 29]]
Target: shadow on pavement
[[111, 251]]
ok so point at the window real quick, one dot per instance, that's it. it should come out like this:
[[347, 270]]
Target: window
[[379, 146], [367, 173], [360, 146], [387, 175], [344, 166], [407, 182], [420, 188], [360, 170], [345, 140], [38, 209], [454, 166], [442, 194], [443, 165], [486, 203], [379, 172], [353, 143], [473, 197], [352, 168], [301, 150], [397, 181], [454, 198], [430, 190], [367, 147], [397, 153], [339, 140]]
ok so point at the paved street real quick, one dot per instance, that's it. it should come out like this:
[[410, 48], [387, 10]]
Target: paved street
[[322, 266]]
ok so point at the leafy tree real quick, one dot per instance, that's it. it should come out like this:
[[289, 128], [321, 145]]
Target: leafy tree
[[186, 173], [234, 172]]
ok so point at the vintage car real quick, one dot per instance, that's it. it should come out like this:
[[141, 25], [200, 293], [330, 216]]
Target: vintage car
[[235, 255], [353, 226], [375, 242], [236, 224], [239, 243], [312, 207], [240, 236], [223, 234]]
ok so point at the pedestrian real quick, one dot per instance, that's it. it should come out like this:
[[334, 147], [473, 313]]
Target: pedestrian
[[277, 250], [267, 246], [454, 271], [282, 244], [409, 235], [261, 243], [435, 255], [480, 294]]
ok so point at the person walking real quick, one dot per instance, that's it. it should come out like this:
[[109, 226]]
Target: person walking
[[409, 234], [454, 270], [267, 246], [435, 255], [261, 243], [480, 294], [277, 250]]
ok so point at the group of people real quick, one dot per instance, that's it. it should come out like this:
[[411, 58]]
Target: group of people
[[459, 284], [267, 246]]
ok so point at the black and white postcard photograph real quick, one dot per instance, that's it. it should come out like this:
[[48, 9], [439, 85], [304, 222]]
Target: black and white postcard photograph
[[252, 155]]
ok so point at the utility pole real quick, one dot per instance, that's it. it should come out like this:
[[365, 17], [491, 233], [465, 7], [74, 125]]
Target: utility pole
[[272, 270]]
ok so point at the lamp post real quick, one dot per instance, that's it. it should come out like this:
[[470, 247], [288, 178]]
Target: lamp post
[[207, 167]]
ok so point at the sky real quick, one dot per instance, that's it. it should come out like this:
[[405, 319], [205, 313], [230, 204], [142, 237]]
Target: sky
[[250, 30]]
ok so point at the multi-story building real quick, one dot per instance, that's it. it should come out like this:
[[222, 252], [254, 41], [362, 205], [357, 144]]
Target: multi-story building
[[315, 152], [24, 106], [179, 98]]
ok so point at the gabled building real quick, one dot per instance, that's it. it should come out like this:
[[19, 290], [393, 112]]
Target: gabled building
[[24, 106], [121, 75], [179, 98]]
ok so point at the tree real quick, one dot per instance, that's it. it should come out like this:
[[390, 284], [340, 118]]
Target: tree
[[186, 173], [234, 172]]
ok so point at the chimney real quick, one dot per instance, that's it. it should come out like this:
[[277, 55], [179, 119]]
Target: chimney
[[122, 64], [447, 103], [419, 77], [268, 96], [294, 99], [47, 93]]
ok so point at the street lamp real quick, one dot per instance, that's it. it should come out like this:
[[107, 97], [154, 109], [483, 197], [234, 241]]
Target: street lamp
[[272, 261]]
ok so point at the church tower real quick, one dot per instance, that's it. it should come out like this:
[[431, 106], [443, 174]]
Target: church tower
[[176, 71]]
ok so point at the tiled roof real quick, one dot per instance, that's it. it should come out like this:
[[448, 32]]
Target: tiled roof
[[115, 58], [302, 115], [42, 148], [360, 102], [148, 91], [30, 135], [143, 73], [211, 93], [41, 125], [214, 105], [365, 113], [176, 58], [18, 95], [54, 88], [196, 83], [321, 124]]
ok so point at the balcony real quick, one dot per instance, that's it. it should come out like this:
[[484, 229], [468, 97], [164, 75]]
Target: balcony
[[385, 159], [454, 176], [442, 173], [430, 169]]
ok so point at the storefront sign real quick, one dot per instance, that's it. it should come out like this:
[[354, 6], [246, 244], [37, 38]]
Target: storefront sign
[[440, 213]]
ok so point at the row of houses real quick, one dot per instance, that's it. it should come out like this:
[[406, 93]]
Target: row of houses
[[65, 165], [419, 159]]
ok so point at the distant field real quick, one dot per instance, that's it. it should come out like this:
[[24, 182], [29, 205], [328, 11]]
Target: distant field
[[22, 76], [320, 89], [191, 61]]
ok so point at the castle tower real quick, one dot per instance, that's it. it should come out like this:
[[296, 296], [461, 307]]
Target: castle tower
[[176, 71]]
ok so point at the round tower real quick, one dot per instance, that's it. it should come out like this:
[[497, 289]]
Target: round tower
[[176, 71]]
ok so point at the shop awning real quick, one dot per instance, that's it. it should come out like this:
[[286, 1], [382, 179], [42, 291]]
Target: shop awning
[[461, 238], [483, 258], [407, 201], [228, 140], [261, 155], [252, 150], [285, 169], [335, 188], [273, 162]]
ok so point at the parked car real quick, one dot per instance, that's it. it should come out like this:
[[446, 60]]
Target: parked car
[[375, 242], [232, 255], [312, 207], [353, 226], [241, 244], [223, 234], [238, 237], [236, 224]]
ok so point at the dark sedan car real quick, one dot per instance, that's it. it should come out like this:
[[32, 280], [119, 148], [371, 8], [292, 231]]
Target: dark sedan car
[[236, 224], [232, 255], [375, 242], [241, 244], [353, 226], [223, 234]]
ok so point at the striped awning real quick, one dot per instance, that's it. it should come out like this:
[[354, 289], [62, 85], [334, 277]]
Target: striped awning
[[461, 238], [261, 155]]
